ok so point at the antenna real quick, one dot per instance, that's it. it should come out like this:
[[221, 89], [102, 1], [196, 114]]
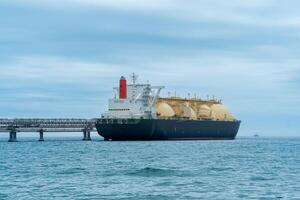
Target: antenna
[[134, 78]]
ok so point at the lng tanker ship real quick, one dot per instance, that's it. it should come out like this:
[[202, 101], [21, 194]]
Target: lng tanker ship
[[137, 112]]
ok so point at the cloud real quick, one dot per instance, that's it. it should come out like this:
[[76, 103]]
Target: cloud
[[263, 13], [54, 68], [115, 4], [241, 77]]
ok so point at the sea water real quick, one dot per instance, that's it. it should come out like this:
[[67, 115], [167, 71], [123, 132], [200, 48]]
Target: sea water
[[67, 168]]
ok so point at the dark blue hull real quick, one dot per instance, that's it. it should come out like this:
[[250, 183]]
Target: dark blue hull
[[166, 129]]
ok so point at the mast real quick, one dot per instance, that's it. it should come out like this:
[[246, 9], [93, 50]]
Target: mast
[[134, 78]]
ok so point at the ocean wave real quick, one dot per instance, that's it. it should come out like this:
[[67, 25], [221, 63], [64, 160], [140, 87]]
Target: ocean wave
[[76, 170], [151, 171]]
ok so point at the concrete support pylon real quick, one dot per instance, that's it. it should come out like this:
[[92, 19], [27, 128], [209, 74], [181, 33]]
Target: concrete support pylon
[[12, 136], [41, 139], [86, 135]]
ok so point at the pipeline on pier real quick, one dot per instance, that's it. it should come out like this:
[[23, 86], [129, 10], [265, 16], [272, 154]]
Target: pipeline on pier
[[86, 126]]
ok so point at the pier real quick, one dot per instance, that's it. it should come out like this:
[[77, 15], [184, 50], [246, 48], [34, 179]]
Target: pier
[[40, 126]]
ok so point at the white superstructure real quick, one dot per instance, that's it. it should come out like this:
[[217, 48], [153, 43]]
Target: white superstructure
[[133, 100]]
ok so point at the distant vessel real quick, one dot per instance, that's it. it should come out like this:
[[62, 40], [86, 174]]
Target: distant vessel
[[138, 113]]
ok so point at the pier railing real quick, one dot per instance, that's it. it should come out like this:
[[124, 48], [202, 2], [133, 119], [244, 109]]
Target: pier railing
[[47, 125]]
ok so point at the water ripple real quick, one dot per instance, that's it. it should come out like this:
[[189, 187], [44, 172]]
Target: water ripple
[[259, 168]]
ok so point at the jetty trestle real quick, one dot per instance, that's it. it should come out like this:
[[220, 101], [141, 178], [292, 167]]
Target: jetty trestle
[[12, 126]]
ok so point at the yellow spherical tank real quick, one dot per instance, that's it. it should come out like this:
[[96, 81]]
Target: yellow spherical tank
[[188, 112], [164, 110], [220, 112], [204, 111]]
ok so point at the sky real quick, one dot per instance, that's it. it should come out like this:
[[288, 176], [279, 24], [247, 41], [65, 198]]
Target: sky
[[62, 58]]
